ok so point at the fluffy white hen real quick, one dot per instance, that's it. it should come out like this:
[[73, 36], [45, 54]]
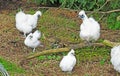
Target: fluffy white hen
[[89, 29], [32, 40], [115, 57], [26, 22], [68, 62]]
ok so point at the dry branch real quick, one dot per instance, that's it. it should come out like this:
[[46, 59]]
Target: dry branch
[[44, 52], [110, 44], [111, 11], [76, 46]]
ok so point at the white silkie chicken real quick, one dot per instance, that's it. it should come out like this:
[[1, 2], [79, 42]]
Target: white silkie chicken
[[89, 29], [68, 62], [115, 57], [26, 22], [32, 40]]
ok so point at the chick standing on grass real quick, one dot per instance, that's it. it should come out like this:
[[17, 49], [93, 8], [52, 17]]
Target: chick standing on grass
[[68, 62], [32, 40], [89, 29], [115, 57], [26, 22]]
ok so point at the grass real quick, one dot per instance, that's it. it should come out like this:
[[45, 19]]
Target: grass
[[113, 22], [50, 57], [59, 27], [93, 53], [51, 26], [64, 29], [87, 54], [12, 68]]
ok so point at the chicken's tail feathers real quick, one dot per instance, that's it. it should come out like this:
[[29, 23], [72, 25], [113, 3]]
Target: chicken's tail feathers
[[3, 71]]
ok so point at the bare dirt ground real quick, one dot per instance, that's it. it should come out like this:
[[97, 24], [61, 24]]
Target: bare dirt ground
[[11, 44]]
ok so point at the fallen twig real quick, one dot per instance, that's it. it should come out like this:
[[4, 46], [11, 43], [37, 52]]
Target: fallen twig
[[110, 44], [101, 17], [44, 52], [111, 11], [76, 46]]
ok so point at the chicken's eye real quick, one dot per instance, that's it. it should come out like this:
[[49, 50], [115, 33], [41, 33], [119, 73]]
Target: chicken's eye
[[82, 16], [31, 37], [72, 53]]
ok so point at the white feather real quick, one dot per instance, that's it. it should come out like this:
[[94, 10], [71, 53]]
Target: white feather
[[115, 57], [37, 34], [26, 22], [68, 62], [32, 19], [32, 41], [89, 29]]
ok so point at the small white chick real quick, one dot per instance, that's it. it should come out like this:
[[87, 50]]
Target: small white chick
[[68, 62], [32, 40], [115, 57], [89, 29]]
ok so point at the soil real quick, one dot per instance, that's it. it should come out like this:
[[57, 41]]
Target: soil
[[11, 42]]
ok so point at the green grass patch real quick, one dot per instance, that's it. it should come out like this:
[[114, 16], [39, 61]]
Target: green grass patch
[[65, 29], [112, 21], [60, 27], [11, 67], [33, 11], [87, 54], [93, 54], [50, 57]]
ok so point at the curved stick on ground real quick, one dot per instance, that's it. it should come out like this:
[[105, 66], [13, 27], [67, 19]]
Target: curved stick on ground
[[110, 44], [76, 46], [44, 52]]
